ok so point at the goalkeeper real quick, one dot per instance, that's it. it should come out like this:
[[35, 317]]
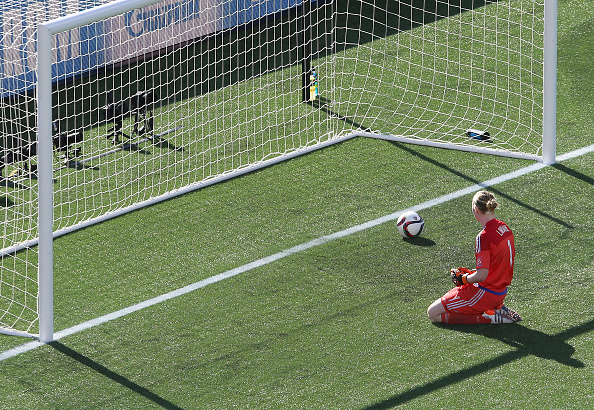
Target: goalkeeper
[[478, 294]]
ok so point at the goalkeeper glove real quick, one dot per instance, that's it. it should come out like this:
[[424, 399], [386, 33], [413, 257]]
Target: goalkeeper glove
[[460, 276]]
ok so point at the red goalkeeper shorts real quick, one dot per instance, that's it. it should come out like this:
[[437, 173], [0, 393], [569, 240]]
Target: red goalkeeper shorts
[[471, 299]]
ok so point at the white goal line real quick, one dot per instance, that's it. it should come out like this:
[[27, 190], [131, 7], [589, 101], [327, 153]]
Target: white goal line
[[282, 254]]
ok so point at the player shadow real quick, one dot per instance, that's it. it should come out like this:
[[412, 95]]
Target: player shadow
[[527, 342], [143, 391], [493, 189], [532, 342], [79, 165], [163, 143], [157, 142], [135, 147]]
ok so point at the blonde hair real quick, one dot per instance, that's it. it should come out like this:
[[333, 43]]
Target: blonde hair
[[485, 202]]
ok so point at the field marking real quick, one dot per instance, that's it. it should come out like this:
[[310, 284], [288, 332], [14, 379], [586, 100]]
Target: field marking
[[291, 251]]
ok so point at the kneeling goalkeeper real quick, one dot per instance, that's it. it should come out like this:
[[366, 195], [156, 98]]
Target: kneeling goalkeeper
[[478, 294]]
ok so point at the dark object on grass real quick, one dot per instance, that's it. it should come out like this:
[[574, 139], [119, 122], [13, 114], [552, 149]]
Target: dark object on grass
[[20, 154], [63, 142], [141, 104], [478, 134], [115, 112]]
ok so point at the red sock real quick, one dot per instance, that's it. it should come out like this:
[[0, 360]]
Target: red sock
[[462, 319]]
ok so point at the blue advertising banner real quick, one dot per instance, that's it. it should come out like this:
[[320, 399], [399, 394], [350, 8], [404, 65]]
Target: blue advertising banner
[[18, 35], [113, 40], [238, 12]]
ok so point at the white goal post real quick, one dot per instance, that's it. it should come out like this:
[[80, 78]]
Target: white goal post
[[132, 102]]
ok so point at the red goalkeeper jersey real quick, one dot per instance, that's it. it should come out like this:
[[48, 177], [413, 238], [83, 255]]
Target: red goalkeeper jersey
[[495, 251]]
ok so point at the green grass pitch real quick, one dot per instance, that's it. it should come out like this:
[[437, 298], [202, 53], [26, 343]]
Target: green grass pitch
[[341, 325]]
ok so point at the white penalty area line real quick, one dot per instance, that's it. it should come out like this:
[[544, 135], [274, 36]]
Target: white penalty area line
[[291, 251]]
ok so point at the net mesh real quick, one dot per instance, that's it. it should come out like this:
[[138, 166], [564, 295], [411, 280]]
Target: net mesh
[[157, 99], [431, 70]]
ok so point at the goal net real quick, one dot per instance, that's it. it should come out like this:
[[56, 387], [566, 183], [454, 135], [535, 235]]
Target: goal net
[[110, 106], [431, 71]]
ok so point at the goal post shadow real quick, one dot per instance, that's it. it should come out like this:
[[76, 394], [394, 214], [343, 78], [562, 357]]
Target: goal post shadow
[[323, 104], [118, 378]]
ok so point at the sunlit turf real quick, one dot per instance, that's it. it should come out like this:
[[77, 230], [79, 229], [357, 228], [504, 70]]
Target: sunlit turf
[[340, 325]]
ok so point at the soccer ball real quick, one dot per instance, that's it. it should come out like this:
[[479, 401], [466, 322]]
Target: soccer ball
[[410, 224]]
